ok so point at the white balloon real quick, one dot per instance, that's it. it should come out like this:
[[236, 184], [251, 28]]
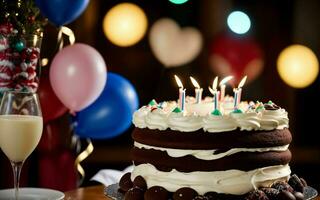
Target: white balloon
[[174, 46]]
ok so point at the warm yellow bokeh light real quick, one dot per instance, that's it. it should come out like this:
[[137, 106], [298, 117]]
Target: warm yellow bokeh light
[[125, 24], [298, 66]]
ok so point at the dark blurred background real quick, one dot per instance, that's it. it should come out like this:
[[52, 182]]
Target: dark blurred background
[[275, 25]]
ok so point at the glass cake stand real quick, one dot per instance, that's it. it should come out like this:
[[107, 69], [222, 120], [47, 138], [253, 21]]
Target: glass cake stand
[[112, 191]]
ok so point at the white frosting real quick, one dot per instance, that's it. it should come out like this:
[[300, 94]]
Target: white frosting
[[235, 182], [213, 123], [247, 121], [198, 116], [202, 109], [208, 154], [157, 119], [189, 123], [274, 119], [139, 117]]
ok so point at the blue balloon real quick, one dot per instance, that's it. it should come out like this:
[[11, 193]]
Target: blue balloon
[[111, 114], [61, 12]]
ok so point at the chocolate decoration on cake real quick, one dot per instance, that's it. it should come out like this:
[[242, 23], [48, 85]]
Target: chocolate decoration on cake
[[286, 195], [140, 183], [156, 193], [184, 193], [298, 195], [134, 193], [271, 106], [304, 182], [272, 193], [125, 182], [282, 186], [199, 197], [296, 183], [256, 195]]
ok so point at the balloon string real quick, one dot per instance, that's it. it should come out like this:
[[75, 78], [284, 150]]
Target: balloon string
[[81, 157], [68, 32], [62, 31]]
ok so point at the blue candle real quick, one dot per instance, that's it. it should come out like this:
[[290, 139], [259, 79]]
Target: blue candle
[[215, 93], [237, 93], [182, 93], [198, 90]]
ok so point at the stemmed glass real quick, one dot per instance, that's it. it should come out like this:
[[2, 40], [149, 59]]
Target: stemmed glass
[[21, 127]]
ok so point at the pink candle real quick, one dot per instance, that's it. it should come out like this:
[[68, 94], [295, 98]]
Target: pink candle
[[223, 87]]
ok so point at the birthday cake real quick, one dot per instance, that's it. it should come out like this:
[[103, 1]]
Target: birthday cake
[[202, 152]]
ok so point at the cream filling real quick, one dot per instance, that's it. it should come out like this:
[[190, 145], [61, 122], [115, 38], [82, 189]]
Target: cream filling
[[208, 154], [235, 182]]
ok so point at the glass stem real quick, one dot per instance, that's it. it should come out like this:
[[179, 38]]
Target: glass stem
[[16, 167]]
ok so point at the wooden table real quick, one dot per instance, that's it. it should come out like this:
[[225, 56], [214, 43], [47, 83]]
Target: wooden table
[[92, 193], [87, 193]]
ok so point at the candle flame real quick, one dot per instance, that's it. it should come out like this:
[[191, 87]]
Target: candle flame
[[225, 80], [215, 83], [242, 82], [179, 83], [194, 82], [211, 90]]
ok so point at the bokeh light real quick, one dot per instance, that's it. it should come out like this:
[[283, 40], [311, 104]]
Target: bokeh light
[[125, 24], [298, 66], [239, 22], [178, 1]]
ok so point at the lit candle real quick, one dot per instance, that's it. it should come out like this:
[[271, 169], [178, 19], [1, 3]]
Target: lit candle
[[237, 93], [182, 93], [198, 90], [223, 87], [215, 93]]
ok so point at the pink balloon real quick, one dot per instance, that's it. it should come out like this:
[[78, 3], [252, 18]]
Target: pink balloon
[[78, 76]]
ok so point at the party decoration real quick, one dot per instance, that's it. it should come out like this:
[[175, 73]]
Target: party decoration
[[21, 29], [177, 110], [178, 1], [174, 46], [19, 46], [298, 66], [111, 114], [236, 56], [6, 66], [69, 33], [62, 12], [81, 157], [21, 18], [239, 22], [51, 106], [77, 76], [125, 24]]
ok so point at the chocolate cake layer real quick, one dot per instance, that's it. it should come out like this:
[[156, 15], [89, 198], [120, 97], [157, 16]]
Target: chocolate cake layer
[[204, 140], [244, 161]]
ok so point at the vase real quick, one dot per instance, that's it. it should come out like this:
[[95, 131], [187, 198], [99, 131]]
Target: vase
[[19, 63]]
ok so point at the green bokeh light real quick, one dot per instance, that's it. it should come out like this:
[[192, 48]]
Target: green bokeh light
[[178, 1]]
